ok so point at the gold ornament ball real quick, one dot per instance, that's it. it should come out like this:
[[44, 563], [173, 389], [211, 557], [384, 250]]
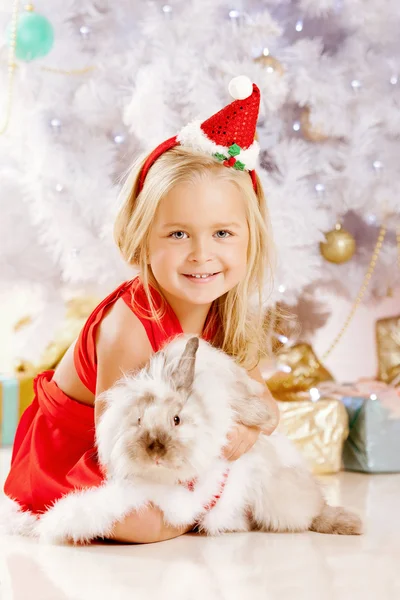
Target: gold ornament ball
[[310, 132], [339, 247], [270, 63]]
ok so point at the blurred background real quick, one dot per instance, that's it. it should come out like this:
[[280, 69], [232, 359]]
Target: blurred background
[[85, 86]]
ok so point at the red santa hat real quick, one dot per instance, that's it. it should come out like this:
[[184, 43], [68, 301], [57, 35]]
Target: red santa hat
[[228, 136]]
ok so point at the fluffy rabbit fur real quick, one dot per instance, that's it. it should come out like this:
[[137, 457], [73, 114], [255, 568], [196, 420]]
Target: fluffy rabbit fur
[[167, 425]]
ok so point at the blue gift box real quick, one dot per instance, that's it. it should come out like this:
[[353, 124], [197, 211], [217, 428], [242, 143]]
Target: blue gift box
[[9, 409], [373, 444], [16, 393]]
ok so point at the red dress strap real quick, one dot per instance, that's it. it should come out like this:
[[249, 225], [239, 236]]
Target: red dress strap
[[158, 332]]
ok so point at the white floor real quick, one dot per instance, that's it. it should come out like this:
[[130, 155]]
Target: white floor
[[238, 566]]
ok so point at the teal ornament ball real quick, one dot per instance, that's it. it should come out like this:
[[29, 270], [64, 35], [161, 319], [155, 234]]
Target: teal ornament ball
[[35, 36]]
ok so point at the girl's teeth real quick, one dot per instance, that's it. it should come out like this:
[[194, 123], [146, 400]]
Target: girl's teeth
[[201, 276]]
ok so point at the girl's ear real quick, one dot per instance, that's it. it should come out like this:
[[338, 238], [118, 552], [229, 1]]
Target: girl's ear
[[183, 375]]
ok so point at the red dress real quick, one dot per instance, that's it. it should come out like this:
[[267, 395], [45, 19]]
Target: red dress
[[54, 448]]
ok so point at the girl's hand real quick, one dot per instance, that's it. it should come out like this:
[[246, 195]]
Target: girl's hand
[[241, 440]]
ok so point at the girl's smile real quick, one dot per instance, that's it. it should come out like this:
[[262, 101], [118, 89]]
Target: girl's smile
[[201, 278]]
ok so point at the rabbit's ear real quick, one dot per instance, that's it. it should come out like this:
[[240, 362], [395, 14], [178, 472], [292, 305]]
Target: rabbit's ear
[[183, 374], [251, 410]]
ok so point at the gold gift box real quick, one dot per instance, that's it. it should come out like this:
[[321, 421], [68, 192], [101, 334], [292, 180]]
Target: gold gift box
[[305, 372], [318, 429], [26, 392], [387, 333]]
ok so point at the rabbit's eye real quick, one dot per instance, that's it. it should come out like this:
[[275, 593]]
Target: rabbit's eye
[[176, 420], [138, 421]]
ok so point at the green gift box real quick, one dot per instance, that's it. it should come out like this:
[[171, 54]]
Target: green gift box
[[16, 394], [373, 445]]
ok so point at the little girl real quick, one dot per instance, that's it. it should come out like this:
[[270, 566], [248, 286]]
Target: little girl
[[195, 224]]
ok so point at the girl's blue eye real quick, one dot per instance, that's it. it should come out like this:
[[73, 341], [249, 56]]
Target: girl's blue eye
[[178, 235], [222, 234]]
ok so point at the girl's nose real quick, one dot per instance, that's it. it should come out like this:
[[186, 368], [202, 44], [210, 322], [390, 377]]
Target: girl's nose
[[200, 252]]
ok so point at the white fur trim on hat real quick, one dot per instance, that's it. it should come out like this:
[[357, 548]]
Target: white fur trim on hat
[[192, 136]]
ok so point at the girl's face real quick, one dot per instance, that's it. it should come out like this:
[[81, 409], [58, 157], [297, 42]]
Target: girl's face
[[199, 230]]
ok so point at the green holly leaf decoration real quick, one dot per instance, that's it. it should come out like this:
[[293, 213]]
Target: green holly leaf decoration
[[234, 150], [239, 165], [220, 156]]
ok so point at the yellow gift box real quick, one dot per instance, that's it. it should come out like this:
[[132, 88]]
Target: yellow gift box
[[318, 429], [303, 371], [388, 349]]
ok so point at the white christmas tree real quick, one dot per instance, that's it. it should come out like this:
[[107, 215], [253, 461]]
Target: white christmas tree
[[124, 76]]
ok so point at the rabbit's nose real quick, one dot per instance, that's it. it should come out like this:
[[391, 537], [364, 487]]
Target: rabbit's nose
[[157, 448]]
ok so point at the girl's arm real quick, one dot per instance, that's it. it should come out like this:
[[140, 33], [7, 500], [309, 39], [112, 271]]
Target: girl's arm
[[269, 400], [122, 346], [242, 438]]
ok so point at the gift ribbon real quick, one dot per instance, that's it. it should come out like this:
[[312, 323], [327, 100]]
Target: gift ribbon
[[9, 400]]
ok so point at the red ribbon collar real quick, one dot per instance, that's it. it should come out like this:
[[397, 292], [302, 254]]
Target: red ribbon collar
[[190, 485]]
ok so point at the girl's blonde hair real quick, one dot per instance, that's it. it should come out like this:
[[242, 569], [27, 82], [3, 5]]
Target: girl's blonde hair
[[242, 331]]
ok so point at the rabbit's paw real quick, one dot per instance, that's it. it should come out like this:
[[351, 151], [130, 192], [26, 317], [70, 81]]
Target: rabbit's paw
[[181, 507]]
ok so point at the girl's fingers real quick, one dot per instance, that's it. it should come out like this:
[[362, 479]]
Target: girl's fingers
[[241, 440], [237, 451]]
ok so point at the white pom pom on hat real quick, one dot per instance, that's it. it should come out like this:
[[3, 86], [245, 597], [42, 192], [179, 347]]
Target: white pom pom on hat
[[240, 87]]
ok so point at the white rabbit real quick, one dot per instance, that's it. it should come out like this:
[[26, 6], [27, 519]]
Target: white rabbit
[[160, 440]]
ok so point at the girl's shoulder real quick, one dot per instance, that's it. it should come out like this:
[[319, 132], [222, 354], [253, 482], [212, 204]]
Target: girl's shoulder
[[130, 306], [120, 321], [122, 345]]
